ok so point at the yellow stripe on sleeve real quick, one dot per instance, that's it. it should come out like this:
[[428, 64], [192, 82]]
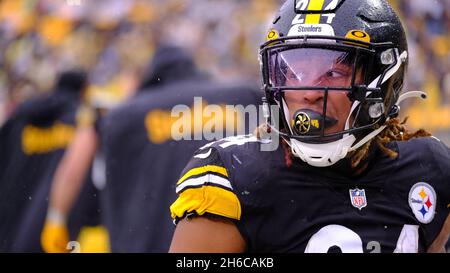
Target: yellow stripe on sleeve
[[207, 199], [315, 5], [204, 169]]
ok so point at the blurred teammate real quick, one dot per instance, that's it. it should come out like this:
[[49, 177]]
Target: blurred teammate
[[32, 143], [74, 178], [141, 156], [348, 176]]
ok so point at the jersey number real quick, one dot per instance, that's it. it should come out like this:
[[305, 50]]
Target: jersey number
[[349, 242]]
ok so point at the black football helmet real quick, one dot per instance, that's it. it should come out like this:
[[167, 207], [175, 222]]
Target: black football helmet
[[306, 44]]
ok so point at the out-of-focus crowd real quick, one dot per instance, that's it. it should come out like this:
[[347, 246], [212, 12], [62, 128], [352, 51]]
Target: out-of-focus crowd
[[115, 39], [428, 29]]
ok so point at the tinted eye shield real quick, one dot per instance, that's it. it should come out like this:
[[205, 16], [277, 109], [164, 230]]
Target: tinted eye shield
[[306, 67], [325, 43], [356, 54], [359, 48]]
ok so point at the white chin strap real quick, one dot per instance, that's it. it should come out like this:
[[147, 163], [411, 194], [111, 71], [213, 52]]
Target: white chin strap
[[327, 154], [322, 155]]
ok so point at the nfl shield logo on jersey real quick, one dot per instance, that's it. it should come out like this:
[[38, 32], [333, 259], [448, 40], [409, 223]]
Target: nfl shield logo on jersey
[[358, 198]]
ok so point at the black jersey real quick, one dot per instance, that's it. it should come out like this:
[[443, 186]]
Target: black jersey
[[397, 205], [142, 159], [32, 143]]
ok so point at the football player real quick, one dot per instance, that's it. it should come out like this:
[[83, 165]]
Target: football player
[[32, 142], [347, 176], [141, 156], [68, 187]]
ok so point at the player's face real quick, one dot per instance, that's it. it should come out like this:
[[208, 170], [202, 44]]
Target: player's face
[[338, 103], [318, 68]]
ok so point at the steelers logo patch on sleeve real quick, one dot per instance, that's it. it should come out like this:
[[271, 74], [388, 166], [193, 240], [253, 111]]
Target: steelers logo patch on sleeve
[[422, 200]]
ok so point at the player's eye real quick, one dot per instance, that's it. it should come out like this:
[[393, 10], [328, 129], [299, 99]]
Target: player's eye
[[336, 73]]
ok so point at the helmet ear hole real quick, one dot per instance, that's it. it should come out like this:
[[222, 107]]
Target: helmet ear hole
[[394, 112]]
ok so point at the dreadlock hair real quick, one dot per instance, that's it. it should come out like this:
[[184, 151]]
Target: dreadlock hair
[[395, 131]]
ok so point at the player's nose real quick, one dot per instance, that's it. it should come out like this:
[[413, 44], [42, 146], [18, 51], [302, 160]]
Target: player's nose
[[312, 96]]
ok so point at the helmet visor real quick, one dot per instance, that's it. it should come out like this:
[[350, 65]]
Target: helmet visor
[[315, 84], [315, 67]]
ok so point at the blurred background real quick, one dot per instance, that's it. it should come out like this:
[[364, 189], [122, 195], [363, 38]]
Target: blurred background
[[114, 40]]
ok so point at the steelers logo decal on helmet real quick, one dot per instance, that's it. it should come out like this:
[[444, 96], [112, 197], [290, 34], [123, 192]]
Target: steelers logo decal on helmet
[[302, 123], [272, 35], [422, 200]]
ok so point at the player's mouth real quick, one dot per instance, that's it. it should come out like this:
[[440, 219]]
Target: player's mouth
[[307, 122]]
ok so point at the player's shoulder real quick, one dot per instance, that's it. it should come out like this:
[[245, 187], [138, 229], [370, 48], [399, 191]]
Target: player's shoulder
[[131, 114], [424, 144], [426, 149], [132, 105], [423, 174], [241, 144], [422, 161], [217, 172], [237, 152], [238, 159]]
